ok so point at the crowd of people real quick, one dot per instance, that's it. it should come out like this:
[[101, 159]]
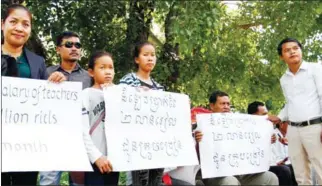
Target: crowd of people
[[296, 140]]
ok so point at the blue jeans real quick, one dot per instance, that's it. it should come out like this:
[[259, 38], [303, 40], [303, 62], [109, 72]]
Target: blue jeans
[[53, 178]]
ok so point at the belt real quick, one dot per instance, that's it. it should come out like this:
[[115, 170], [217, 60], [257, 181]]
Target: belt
[[306, 123]]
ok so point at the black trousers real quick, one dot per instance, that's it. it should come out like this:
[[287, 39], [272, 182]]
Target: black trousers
[[285, 174], [97, 178], [148, 177], [19, 178]]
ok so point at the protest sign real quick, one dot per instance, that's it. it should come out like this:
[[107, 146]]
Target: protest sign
[[41, 126], [148, 129], [234, 144]]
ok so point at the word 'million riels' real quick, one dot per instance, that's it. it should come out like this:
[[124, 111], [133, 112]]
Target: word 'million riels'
[[153, 102], [163, 122], [9, 116], [146, 149], [34, 95], [251, 137]]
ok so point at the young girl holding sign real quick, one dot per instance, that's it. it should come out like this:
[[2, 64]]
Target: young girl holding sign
[[101, 69], [145, 60]]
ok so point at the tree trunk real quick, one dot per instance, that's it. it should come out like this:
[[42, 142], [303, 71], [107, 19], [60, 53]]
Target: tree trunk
[[171, 50], [138, 26]]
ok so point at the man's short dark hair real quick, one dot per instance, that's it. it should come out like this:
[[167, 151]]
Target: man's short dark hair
[[253, 107], [216, 94], [287, 40], [64, 35]]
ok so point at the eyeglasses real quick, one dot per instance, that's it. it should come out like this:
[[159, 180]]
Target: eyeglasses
[[70, 44]]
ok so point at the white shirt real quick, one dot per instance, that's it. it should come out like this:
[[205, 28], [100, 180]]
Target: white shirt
[[93, 123], [303, 93], [279, 151], [184, 173]]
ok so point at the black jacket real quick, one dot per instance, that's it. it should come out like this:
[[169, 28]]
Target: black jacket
[[36, 63]]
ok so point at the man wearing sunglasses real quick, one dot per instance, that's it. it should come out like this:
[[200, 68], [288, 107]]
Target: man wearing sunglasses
[[68, 46]]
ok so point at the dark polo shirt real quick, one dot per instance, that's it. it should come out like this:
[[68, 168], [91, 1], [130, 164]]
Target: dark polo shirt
[[78, 74]]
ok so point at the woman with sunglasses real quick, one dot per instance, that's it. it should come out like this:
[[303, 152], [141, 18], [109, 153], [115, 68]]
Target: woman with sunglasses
[[17, 61]]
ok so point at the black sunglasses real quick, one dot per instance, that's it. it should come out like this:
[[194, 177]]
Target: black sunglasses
[[70, 44]]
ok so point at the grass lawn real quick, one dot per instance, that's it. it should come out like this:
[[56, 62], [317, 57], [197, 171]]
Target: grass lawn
[[64, 179]]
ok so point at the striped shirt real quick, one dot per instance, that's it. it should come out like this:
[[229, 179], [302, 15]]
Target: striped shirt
[[133, 80]]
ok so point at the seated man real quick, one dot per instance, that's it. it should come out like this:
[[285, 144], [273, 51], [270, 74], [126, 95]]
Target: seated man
[[280, 154], [280, 164], [219, 102]]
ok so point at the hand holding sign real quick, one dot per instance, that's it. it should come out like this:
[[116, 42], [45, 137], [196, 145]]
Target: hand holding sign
[[105, 85], [104, 165], [142, 88], [57, 77], [274, 119], [198, 136]]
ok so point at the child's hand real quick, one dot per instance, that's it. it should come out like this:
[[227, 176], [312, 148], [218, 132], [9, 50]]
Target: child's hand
[[103, 165], [142, 88], [105, 85]]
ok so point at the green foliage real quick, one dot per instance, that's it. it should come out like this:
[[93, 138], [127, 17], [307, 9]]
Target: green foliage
[[204, 48], [100, 24]]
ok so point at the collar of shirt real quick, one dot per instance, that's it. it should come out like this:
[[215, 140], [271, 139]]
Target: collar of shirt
[[304, 66], [158, 86]]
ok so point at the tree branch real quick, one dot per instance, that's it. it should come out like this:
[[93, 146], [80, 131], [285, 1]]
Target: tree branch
[[249, 25]]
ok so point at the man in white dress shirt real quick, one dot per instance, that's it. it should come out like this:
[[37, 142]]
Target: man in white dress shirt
[[302, 89]]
